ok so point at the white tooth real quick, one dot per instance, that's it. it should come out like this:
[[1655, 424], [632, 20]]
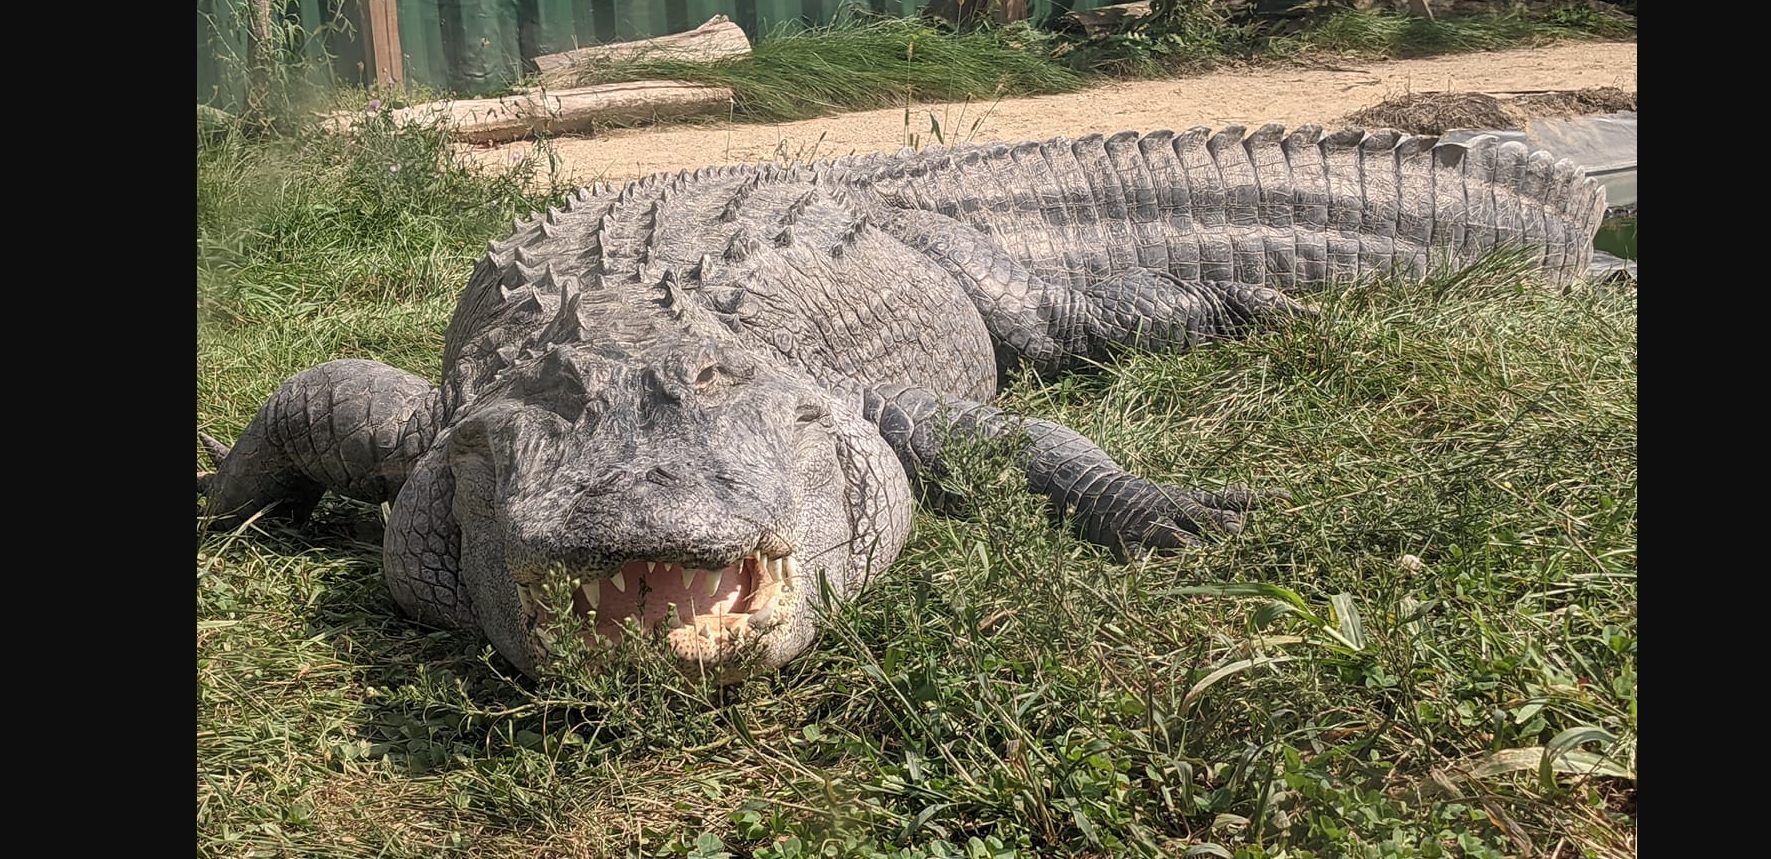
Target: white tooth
[[713, 577], [740, 630], [673, 618], [619, 581], [774, 571], [762, 615], [651, 566], [688, 578], [704, 630], [788, 568], [593, 593]]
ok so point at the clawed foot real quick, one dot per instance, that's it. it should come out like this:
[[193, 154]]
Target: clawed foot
[[1146, 516], [1270, 306]]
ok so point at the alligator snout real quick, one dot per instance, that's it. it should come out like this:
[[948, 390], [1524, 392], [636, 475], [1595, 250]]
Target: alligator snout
[[677, 511]]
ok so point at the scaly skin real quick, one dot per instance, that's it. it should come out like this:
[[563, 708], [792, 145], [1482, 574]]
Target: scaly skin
[[705, 397]]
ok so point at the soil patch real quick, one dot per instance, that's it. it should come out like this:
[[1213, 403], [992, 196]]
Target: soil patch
[[1438, 112]]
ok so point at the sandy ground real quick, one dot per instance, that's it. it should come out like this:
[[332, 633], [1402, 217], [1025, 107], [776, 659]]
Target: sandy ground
[[1290, 96]]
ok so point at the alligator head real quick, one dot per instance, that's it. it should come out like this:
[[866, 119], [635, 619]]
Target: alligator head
[[684, 490]]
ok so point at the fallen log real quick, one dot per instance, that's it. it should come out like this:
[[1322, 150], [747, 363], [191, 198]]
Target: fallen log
[[563, 111], [715, 40]]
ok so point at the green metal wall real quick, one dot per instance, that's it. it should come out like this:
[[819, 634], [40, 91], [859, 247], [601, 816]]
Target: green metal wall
[[478, 47], [222, 45]]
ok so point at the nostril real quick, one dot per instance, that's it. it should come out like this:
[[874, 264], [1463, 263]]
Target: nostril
[[663, 476]]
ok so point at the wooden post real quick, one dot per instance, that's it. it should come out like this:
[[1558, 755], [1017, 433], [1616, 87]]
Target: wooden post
[[265, 53], [966, 14], [381, 25], [1011, 10]]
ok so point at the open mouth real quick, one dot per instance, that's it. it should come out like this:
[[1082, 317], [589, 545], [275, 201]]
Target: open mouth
[[706, 614]]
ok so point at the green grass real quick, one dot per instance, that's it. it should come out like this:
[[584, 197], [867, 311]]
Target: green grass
[[373, 234], [1374, 671]]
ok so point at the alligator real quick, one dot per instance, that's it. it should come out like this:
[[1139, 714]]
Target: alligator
[[696, 407]]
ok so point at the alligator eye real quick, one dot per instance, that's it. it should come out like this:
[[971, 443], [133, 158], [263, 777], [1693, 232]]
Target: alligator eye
[[808, 413], [470, 434], [705, 377], [468, 445]]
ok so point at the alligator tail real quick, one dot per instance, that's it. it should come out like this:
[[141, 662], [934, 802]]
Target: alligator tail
[[1287, 210]]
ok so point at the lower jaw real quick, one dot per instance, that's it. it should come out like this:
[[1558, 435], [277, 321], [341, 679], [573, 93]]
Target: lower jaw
[[711, 639], [720, 652]]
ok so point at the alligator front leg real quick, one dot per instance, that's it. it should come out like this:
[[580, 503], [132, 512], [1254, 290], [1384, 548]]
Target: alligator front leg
[[1109, 505], [366, 431], [351, 427], [421, 548]]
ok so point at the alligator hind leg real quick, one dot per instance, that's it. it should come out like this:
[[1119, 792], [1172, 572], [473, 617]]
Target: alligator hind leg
[[1110, 506], [351, 427], [1061, 325], [1154, 311]]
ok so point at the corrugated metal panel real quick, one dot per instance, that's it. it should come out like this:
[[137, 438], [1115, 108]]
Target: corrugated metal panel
[[221, 43], [421, 41], [224, 46]]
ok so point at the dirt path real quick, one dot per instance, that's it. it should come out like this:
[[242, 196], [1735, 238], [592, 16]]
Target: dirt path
[[1290, 96]]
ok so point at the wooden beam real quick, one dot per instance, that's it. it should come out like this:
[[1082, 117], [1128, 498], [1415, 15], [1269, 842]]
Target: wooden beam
[[381, 21], [564, 111]]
